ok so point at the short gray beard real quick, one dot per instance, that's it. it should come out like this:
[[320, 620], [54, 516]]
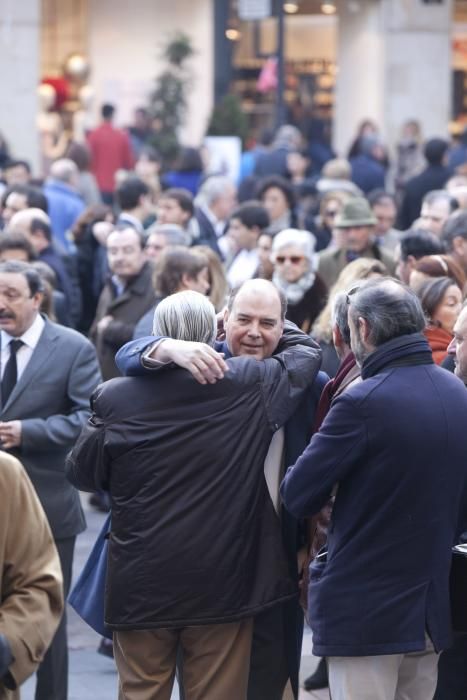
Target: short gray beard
[[360, 352]]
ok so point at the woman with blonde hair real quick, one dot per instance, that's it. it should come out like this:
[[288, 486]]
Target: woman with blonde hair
[[218, 287], [360, 269]]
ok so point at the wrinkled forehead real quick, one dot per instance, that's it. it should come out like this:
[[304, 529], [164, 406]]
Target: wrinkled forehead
[[13, 281], [440, 207], [256, 304], [123, 239]]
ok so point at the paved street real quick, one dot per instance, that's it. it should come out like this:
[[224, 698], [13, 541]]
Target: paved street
[[93, 675]]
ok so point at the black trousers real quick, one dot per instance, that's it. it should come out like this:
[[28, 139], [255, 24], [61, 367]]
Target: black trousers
[[52, 674], [452, 671], [269, 670]]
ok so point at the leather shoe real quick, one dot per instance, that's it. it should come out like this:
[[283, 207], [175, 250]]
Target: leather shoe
[[318, 679]]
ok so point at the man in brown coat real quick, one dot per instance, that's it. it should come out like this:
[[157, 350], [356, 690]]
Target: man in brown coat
[[125, 298], [30, 579]]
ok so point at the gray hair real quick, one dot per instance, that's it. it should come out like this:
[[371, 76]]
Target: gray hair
[[390, 308], [340, 308], [186, 315], [173, 234], [287, 136], [64, 170], [440, 196], [304, 240], [213, 188]]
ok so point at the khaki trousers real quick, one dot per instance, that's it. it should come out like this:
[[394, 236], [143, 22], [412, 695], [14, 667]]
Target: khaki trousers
[[390, 677], [216, 662]]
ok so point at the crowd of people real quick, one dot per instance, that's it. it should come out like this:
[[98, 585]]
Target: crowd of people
[[280, 440]]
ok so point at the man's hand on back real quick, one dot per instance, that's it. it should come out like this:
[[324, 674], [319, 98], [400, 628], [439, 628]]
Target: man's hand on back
[[205, 364]]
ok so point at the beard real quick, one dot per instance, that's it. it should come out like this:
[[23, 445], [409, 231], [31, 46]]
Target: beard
[[359, 350]]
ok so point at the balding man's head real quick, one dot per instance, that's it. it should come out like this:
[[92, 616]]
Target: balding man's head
[[64, 170], [254, 319], [35, 225], [380, 311], [21, 221]]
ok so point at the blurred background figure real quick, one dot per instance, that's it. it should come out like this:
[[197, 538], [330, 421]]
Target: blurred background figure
[[162, 236], [86, 183], [384, 208], [274, 160], [431, 266], [322, 225], [187, 172], [177, 269], [265, 265], [218, 286], [110, 152], [415, 244], [433, 177], [90, 234], [361, 269], [293, 257], [246, 225], [409, 160], [437, 206], [441, 300], [277, 197]]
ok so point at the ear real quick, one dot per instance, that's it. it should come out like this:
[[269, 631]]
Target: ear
[[411, 260], [458, 245], [364, 329], [336, 336], [184, 283], [226, 315], [38, 298]]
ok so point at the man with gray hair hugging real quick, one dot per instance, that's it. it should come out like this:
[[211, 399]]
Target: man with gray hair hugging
[[195, 547]]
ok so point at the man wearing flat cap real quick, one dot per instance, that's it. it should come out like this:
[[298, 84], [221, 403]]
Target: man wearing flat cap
[[356, 225]]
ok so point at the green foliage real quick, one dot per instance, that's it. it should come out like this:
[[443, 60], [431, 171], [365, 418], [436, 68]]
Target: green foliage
[[168, 102], [228, 119]]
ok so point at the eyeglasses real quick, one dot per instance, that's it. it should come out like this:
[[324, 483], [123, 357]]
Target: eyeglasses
[[294, 259], [350, 294]]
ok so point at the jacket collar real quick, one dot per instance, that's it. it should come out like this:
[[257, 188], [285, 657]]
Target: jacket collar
[[404, 351]]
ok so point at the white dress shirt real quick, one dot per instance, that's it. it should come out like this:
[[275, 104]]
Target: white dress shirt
[[30, 339]]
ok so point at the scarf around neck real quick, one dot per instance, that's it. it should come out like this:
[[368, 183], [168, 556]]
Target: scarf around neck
[[404, 351], [295, 291]]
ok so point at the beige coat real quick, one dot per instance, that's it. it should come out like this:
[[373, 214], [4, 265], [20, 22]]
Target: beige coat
[[31, 579]]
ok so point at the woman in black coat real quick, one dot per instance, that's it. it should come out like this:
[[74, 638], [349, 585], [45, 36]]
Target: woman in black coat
[[293, 253]]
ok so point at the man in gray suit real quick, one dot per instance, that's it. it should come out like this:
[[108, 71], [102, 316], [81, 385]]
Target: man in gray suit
[[47, 373]]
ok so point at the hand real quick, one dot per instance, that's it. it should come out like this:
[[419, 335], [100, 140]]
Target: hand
[[103, 323], [10, 434], [205, 364]]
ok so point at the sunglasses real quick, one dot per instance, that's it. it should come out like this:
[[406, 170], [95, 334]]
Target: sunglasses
[[350, 293], [294, 259]]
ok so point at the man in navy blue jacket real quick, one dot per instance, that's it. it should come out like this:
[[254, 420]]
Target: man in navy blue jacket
[[393, 445], [250, 330]]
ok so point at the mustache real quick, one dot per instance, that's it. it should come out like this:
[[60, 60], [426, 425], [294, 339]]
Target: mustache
[[6, 314]]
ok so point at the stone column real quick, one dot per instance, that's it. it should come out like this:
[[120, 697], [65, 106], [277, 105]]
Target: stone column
[[394, 59], [19, 60]]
